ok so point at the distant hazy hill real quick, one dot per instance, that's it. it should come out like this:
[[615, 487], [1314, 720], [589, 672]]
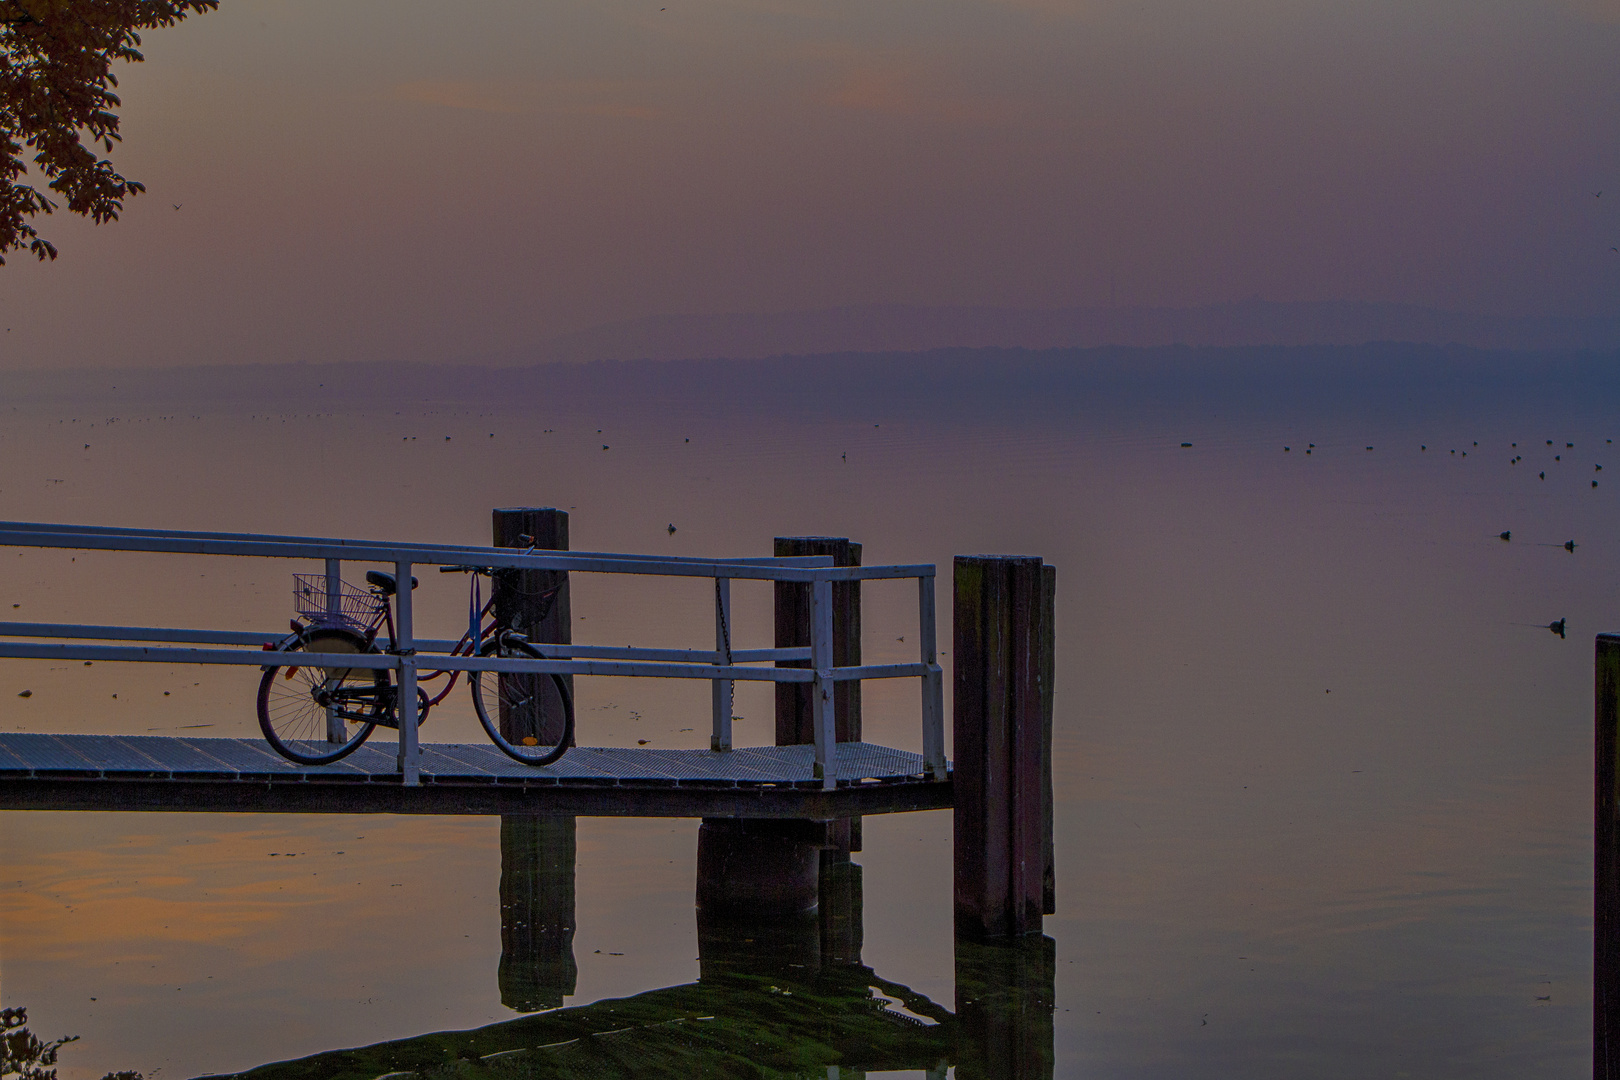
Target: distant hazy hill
[[888, 328], [1389, 380]]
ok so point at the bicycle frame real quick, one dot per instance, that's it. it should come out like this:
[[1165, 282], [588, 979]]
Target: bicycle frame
[[478, 632]]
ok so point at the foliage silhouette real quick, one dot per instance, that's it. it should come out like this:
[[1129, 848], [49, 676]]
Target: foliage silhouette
[[56, 88], [27, 1057]]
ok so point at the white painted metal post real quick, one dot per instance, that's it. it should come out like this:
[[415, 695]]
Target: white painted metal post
[[410, 751], [821, 690], [933, 683], [721, 737], [334, 607]]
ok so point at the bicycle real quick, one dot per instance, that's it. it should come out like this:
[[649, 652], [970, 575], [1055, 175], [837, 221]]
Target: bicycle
[[318, 715]]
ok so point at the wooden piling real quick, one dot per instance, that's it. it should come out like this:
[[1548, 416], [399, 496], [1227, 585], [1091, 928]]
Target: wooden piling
[[537, 968], [794, 715], [1002, 647], [795, 712], [520, 603], [758, 868], [1606, 876], [1048, 672]]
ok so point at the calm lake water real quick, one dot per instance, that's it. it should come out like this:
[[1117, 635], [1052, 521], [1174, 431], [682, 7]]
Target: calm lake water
[[1323, 795]]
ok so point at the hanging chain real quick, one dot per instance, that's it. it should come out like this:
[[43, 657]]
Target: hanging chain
[[725, 636]]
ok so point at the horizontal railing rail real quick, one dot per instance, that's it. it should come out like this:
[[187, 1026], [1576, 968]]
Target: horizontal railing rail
[[721, 665]]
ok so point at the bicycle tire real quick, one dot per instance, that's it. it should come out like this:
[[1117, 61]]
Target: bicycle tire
[[294, 719], [524, 693]]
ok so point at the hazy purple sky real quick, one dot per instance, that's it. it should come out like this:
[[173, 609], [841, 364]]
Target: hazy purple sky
[[371, 180]]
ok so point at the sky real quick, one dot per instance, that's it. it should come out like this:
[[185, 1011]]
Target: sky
[[361, 180]]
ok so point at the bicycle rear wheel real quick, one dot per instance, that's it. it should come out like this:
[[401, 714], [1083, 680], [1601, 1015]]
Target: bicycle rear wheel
[[316, 715], [533, 707]]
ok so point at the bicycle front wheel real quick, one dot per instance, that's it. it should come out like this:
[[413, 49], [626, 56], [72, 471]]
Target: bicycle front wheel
[[529, 715], [316, 715]]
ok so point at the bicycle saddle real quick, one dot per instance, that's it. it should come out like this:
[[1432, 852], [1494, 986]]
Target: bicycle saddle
[[386, 582]]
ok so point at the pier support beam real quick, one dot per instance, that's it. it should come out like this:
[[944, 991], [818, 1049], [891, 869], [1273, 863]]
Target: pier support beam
[[1606, 841], [757, 868], [1002, 718], [537, 911], [777, 894], [520, 603]]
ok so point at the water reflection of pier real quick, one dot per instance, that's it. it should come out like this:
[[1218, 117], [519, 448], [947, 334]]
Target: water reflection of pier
[[781, 990]]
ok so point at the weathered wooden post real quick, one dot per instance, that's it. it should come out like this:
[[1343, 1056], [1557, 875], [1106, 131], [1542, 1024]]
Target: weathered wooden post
[[521, 603], [1606, 875], [794, 715], [537, 968], [795, 712], [1003, 616]]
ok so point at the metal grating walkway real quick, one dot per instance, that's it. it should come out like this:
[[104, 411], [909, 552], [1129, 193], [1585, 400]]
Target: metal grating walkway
[[154, 772], [151, 757]]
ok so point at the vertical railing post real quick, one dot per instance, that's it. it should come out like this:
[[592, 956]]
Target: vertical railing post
[[933, 683], [335, 729], [821, 689], [1606, 863], [410, 751], [720, 739]]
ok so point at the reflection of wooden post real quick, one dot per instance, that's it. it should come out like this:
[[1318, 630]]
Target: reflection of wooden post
[[519, 604], [840, 909], [1002, 768], [1004, 1003], [1606, 840], [537, 911]]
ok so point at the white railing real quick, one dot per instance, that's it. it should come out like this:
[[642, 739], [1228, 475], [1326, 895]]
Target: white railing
[[409, 654]]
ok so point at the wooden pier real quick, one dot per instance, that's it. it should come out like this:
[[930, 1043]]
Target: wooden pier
[[818, 781], [130, 772]]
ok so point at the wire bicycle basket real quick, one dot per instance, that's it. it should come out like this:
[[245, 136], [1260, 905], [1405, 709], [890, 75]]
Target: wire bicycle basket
[[352, 607]]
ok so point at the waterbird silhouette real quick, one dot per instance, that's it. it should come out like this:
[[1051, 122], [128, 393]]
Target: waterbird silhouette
[[1569, 545], [1555, 627], [177, 206], [672, 528], [1505, 535]]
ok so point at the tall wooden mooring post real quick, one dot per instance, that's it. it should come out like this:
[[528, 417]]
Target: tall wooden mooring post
[[1002, 769], [538, 918], [1606, 863]]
